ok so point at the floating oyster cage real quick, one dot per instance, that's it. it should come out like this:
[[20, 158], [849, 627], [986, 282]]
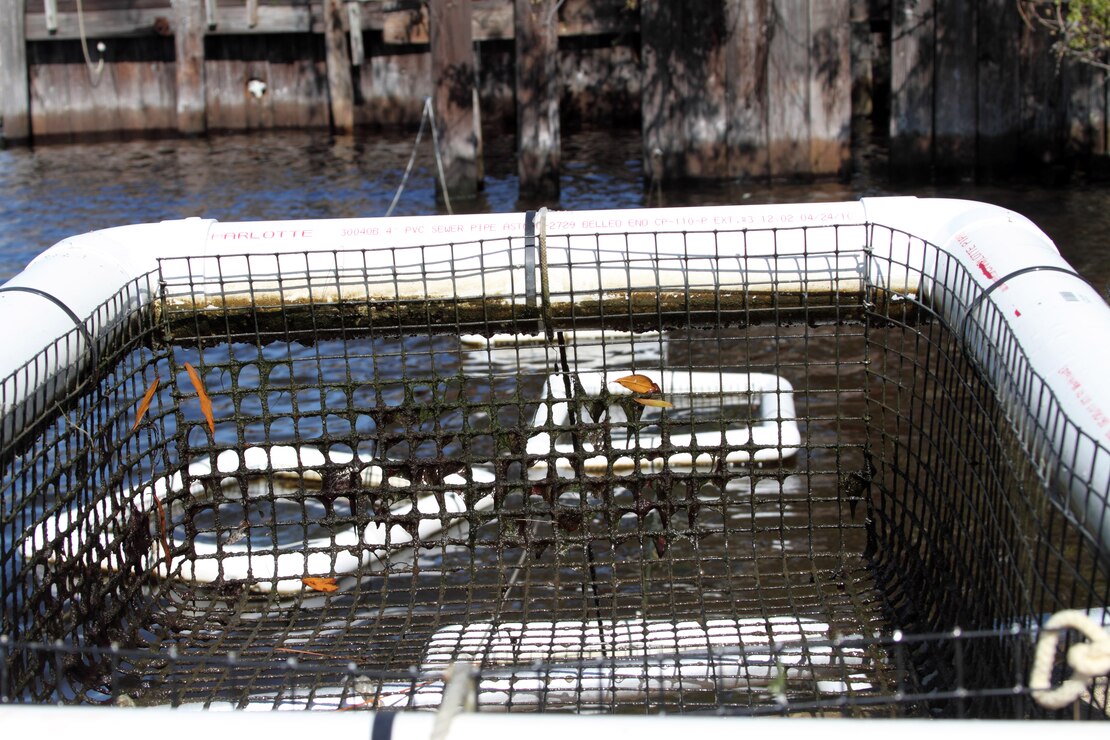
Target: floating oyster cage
[[815, 460]]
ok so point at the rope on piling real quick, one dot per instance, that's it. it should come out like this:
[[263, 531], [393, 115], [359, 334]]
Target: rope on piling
[[97, 70], [426, 115]]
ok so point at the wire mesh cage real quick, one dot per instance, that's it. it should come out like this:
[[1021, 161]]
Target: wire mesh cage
[[349, 487]]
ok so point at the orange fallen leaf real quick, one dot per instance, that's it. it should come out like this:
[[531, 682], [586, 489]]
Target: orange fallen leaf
[[327, 585], [656, 402], [145, 403], [638, 384], [202, 396]]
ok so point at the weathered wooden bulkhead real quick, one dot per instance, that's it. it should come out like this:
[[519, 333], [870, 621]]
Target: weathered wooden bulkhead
[[749, 89]]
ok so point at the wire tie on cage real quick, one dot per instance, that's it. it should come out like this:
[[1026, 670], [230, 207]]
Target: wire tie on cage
[[540, 222], [530, 258], [84, 330], [459, 695], [1002, 281], [1088, 660]]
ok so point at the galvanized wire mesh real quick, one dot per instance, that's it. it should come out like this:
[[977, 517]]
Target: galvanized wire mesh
[[828, 506]]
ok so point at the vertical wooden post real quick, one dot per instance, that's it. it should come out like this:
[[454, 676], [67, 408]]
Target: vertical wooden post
[[830, 87], [999, 93], [704, 88], [537, 97], [957, 73], [1043, 97], [453, 82], [663, 133], [788, 115], [15, 90], [747, 89], [912, 77], [341, 91], [189, 27], [50, 10], [354, 22]]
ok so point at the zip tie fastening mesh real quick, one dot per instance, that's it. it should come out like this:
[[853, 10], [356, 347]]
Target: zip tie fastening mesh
[[540, 221], [962, 332], [530, 258], [84, 330]]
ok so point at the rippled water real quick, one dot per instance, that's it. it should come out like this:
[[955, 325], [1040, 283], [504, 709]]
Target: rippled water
[[55, 191]]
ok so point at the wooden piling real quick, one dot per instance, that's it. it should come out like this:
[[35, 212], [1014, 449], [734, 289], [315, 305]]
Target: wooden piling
[[956, 87], [750, 89], [189, 27], [453, 81], [354, 23], [830, 86], [15, 92], [340, 88], [662, 95], [537, 97], [998, 103], [911, 88], [705, 89], [746, 55], [788, 119], [1043, 103]]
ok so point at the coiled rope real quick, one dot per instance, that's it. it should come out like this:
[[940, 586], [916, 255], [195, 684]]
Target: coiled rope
[[1088, 660]]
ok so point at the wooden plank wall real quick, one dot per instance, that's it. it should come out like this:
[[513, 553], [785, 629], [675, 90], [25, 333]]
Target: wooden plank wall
[[746, 88], [14, 92], [454, 80], [976, 92], [537, 98]]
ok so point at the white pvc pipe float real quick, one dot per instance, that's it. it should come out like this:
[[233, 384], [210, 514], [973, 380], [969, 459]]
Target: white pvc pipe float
[[175, 724], [1059, 321], [824, 246]]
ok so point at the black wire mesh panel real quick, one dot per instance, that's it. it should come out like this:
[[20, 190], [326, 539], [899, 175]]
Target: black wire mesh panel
[[802, 503]]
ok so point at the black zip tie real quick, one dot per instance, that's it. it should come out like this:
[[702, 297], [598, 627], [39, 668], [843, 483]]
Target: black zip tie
[[1002, 281], [382, 726], [530, 258], [68, 312]]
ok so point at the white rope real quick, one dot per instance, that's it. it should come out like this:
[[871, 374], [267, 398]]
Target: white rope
[[94, 71], [459, 695], [1088, 660], [424, 115], [439, 161]]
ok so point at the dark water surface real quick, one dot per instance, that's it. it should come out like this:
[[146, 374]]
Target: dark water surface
[[55, 191]]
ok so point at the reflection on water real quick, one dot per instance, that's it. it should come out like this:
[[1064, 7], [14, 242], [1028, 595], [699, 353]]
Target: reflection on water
[[55, 191]]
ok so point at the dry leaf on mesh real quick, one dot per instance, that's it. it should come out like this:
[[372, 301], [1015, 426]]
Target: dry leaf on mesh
[[202, 396], [327, 585], [145, 403], [655, 402], [639, 384]]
